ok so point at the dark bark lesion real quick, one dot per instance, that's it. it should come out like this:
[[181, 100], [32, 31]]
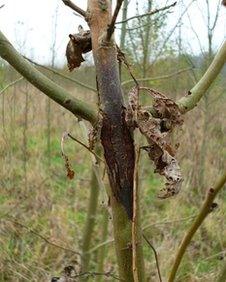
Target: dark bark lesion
[[120, 159]]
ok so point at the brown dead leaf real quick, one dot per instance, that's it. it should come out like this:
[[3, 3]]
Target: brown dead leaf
[[70, 171], [156, 131], [79, 43]]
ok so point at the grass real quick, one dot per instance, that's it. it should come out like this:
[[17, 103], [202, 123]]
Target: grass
[[55, 206]]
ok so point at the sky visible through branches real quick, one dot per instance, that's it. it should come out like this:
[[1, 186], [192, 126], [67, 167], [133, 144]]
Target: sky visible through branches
[[30, 25]]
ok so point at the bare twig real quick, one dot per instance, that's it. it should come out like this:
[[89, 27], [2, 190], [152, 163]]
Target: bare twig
[[74, 7], [85, 146], [146, 24], [11, 84], [171, 33], [196, 34], [101, 245], [41, 236], [111, 26], [122, 58], [166, 76], [216, 16], [92, 274], [156, 256], [204, 211], [168, 221], [62, 75], [110, 241], [149, 13]]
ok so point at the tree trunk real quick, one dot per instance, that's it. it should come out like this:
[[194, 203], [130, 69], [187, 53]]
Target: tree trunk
[[116, 139], [146, 49]]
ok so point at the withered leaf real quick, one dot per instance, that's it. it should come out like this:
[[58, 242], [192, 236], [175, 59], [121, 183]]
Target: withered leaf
[[79, 43], [70, 171], [159, 149], [131, 113], [166, 108]]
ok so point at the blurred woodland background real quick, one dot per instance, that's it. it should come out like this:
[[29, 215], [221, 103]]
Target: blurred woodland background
[[46, 219]]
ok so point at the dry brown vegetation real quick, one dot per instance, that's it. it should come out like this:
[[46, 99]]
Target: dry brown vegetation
[[43, 213]]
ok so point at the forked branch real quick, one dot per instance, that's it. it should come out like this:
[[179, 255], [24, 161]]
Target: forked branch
[[11, 84], [206, 208], [148, 13], [47, 240], [62, 75], [44, 84], [111, 26], [75, 8]]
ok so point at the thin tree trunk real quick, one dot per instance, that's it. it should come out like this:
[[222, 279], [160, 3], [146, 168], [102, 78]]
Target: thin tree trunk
[[147, 31], [25, 128], [123, 26], [3, 113], [204, 145], [48, 102], [95, 186], [90, 222], [103, 250], [48, 131], [117, 141]]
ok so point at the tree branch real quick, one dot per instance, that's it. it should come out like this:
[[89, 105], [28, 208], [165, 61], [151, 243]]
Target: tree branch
[[161, 77], [74, 7], [190, 101], [44, 84], [156, 257], [204, 211], [62, 75], [15, 222], [84, 145], [111, 27], [11, 84], [168, 222], [170, 34], [149, 13]]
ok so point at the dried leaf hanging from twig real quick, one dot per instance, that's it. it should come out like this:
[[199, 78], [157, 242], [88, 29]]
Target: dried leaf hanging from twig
[[70, 171], [79, 43], [156, 131]]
